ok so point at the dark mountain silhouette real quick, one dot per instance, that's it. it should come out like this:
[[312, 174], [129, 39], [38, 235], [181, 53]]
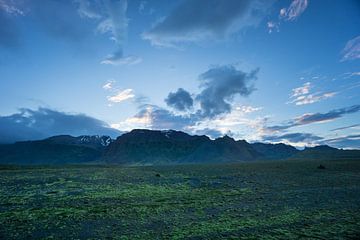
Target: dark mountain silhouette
[[325, 152], [152, 147], [274, 151], [63, 149]]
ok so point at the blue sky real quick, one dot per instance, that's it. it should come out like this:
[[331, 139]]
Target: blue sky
[[274, 71]]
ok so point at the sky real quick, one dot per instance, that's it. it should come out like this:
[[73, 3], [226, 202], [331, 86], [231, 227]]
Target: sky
[[283, 71]]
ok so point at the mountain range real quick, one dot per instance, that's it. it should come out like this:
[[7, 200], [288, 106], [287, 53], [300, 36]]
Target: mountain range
[[155, 147]]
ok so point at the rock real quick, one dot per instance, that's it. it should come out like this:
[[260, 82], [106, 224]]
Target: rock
[[321, 166]]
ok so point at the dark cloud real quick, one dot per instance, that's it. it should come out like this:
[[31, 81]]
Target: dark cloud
[[316, 117], [37, 124], [159, 118], [220, 84], [194, 20], [180, 100], [294, 138]]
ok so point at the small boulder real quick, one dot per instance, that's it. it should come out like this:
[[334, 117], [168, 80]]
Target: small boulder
[[321, 166], [157, 175]]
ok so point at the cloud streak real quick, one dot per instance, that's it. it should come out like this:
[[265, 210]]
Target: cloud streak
[[122, 96], [310, 118], [351, 50], [302, 95], [346, 127]]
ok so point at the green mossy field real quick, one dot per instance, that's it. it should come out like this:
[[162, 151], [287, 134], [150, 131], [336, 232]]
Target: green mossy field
[[254, 200]]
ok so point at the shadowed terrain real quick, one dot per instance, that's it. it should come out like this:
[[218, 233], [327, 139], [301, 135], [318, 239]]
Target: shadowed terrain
[[250, 200]]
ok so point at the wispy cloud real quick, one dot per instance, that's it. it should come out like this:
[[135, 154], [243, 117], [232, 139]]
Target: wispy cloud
[[303, 90], [121, 96], [117, 59], [11, 7], [302, 95], [9, 31], [109, 85], [291, 13], [351, 50], [357, 126], [296, 8], [112, 20], [87, 10], [273, 26], [197, 20]]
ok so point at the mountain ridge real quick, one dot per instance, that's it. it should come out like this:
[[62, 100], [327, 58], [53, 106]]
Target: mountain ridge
[[156, 147]]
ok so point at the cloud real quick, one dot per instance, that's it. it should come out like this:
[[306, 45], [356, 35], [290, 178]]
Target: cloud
[[41, 123], [302, 96], [305, 89], [197, 20], [309, 99], [346, 142], [309, 118], [180, 100], [142, 6], [87, 9], [296, 8], [248, 109], [8, 31], [108, 85], [215, 112], [154, 117], [212, 133], [347, 127], [117, 59], [237, 122], [291, 13], [121, 96], [351, 50], [273, 26], [220, 84], [112, 19], [11, 7], [306, 138], [116, 23]]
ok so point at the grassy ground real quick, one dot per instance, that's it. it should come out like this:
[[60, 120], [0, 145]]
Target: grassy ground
[[263, 200]]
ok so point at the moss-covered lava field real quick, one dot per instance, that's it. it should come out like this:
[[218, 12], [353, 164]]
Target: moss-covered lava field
[[256, 200]]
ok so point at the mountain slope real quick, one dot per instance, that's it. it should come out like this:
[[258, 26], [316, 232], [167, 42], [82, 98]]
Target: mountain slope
[[325, 152], [153, 147], [164, 147], [63, 149], [270, 151]]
